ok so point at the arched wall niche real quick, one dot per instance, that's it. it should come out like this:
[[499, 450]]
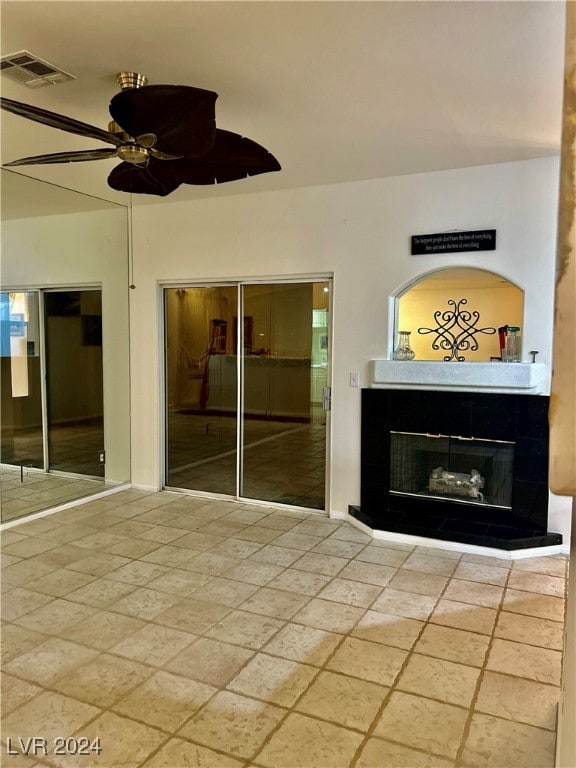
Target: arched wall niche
[[498, 301]]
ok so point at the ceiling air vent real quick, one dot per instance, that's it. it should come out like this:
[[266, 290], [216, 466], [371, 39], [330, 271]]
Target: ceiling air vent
[[32, 71]]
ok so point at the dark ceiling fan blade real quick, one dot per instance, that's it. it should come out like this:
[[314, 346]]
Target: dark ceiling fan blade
[[140, 180], [61, 122], [232, 157], [65, 157], [182, 118]]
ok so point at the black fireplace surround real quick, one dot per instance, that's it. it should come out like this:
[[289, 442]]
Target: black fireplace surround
[[521, 420]]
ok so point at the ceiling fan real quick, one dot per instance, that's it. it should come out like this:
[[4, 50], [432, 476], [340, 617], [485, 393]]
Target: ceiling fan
[[165, 135]]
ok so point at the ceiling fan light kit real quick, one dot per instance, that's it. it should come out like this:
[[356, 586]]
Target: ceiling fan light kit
[[165, 135]]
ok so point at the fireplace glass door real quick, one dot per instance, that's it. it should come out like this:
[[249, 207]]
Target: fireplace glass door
[[452, 468]]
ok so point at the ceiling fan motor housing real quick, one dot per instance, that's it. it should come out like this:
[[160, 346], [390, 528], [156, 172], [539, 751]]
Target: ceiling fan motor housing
[[131, 80]]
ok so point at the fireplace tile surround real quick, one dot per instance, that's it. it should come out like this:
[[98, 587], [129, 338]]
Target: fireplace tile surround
[[519, 419]]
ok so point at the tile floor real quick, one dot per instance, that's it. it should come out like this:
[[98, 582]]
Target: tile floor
[[186, 632]]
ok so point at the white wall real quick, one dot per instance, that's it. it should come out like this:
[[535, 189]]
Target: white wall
[[79, 249], [360, 232]]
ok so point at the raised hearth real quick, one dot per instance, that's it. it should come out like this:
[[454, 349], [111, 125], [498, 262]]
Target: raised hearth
[[457, 466]]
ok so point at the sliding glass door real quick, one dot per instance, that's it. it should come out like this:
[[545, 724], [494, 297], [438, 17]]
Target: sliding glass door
[[246, 379]]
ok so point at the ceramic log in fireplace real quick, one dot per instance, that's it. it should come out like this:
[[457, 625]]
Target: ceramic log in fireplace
[[458, 466]]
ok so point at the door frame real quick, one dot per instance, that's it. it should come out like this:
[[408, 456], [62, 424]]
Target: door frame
[[239, 283]]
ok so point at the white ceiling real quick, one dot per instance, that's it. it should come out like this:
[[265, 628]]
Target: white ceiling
[[336, 90]]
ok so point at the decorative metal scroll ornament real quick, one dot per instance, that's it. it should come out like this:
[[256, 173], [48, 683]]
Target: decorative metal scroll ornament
[[456, 330]]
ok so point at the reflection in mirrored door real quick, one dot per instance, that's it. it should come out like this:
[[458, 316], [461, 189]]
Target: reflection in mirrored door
[[73, 338], [22, 435], [267, 400]]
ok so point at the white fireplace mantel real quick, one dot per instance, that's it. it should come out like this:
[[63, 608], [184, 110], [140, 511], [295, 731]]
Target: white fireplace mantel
[[513, 378]]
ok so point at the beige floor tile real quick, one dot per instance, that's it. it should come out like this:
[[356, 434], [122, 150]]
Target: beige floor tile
[[103, 680], [439, 679], [302, 582], [514, 698], [33, 545], [253, 572], [324, 528], [368, 573], [259, 534], [529, 661], [26, 570], [98, 565], [437, 565], [350, 592], [243, 628], [276, 680], [325, 614], [552, 566], [377, 752], [59, 583], [178, 581], [439, 726], [101, 593], [493, 743], [48, 715], [474, 593], [348, 532], [170, 556], [369, 661], [305, 644], [17, 640], [294, 540], [543, 584], [181, 753], [162, 534], [165, 700], [275, 555], [137, 572], [194, 616], [236, 548], [530, 630], [418, 583], [14, 692], [145, 603], [210, 661], [197, 540], [133, 548], [439, 551], [98, 541], [411, 606], [104, 629], [384, 553], [315, 562], [303, 741], [453, 645], [225, 591], [275, 602], [388, 629], [234, 724], [533, 604], [21, 601], [62, 556], [123, 742], [339, 548], [50, 661], [471, 618], [482, 573], [343, 700], [211, 563], [56, 617], [153, 644]]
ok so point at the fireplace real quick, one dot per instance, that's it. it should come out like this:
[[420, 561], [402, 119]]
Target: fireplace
[[458, 466]]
